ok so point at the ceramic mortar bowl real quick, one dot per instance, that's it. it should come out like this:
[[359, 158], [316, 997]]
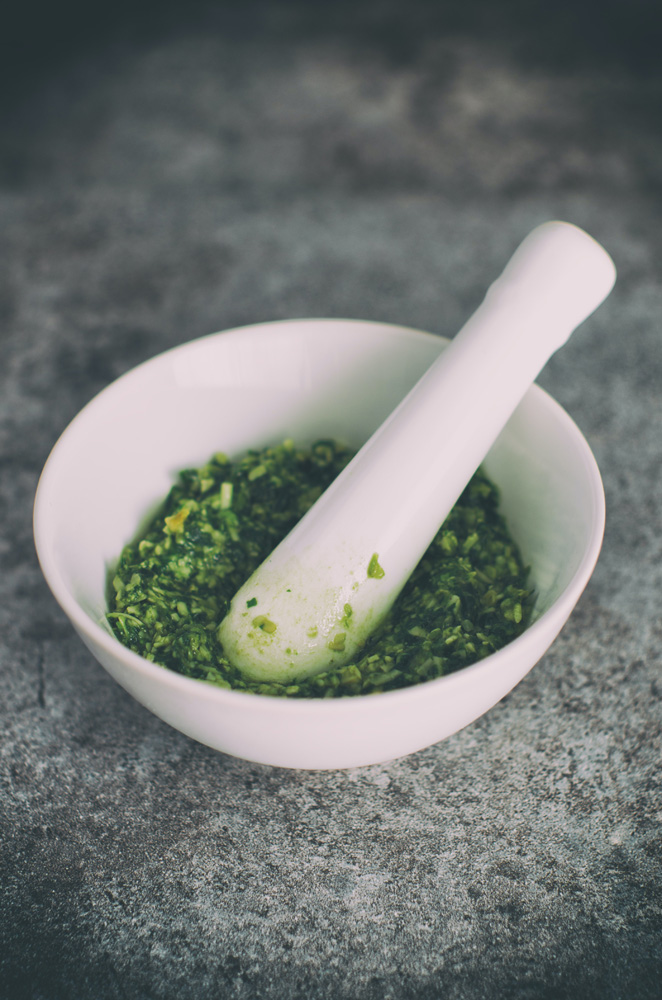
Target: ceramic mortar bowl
[[305, 380]]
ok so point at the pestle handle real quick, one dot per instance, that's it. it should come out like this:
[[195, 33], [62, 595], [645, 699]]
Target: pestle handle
[[394, 495]]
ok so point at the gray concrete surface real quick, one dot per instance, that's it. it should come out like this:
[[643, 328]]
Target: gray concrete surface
[[196, 168]]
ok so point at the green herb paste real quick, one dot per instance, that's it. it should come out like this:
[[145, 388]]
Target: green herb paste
[[172, 587]]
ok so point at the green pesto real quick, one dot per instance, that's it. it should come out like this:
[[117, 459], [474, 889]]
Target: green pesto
[[467, 598]]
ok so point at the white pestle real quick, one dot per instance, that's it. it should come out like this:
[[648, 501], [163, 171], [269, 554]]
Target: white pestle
[[313, 602]]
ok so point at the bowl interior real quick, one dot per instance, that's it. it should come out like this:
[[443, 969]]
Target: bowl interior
[[259, 385]]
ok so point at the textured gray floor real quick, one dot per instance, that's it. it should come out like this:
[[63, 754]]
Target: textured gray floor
[[161, 181]]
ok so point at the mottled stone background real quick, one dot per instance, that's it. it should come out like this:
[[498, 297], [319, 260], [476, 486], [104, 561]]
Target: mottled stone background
[[173, 170]]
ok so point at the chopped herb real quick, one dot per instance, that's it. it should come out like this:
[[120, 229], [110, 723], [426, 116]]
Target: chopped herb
[[176, 521], [375, 571], [265, 624], [337, 644], [468, 596], [226, 493]]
